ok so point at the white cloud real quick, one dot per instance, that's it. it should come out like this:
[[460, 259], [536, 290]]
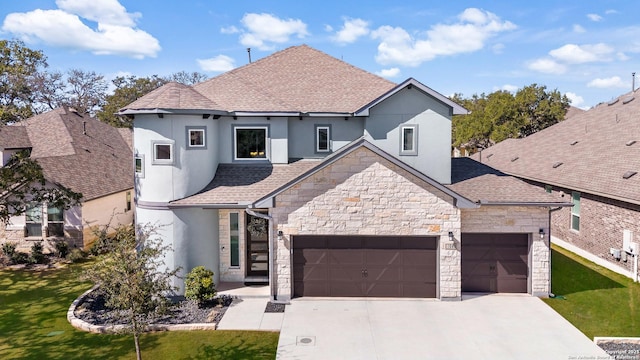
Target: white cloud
[[547, 66], [578, 29], [611, 11], [509, 88], [220, 63], [229, 30], [579, 54], [470, 33], [389, 73], [497, 48], [611, 82], [328, 28], [594, 17], [264, 30], [622, 56], [575, 99], [351, 30], [116, 33]]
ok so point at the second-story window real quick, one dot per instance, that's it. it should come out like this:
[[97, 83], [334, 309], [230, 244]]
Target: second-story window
[[196, 137], [139, 165], [250, 143], [162, 152], [409, 140], [323, 138]]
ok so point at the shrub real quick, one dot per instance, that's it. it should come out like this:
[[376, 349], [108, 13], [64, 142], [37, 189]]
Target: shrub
[[9, 249], [76, 255], [20, 258], [199, 285], [62, 249], [37, 253]]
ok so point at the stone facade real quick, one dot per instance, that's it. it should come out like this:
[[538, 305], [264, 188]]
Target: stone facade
[[228, 272], [602, 222], [365, 194], [517, 219], [24, 244]]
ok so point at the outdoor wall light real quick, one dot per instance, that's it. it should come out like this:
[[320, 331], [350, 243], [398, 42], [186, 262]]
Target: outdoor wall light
[[541, 232], [280, 233], [450, 235]]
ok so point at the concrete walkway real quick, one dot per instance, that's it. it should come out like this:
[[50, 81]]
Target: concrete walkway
[[247, 313], [486, 327]]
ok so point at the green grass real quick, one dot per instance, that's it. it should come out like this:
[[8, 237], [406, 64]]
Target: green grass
[[33, 325], [598, 302]]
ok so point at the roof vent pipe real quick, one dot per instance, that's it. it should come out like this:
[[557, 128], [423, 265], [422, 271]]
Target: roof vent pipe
[[84, 128], [633, 81], [249, 53]]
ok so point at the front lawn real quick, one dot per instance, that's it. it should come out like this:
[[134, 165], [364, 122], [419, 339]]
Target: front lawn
[[597, 301], [33, 325]]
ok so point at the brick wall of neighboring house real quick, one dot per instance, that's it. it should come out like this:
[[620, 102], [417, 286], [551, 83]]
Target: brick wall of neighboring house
[[228, 272], [602, 222], [71, 236], [516, 219], [364, 194]]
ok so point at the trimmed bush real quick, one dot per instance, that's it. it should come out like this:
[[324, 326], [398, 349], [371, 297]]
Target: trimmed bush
[[199, 285], [9, 249], [37, 253], [62, 249], [20, 258]]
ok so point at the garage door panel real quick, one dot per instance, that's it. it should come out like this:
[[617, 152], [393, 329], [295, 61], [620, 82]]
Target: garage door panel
[[345, 257], [513, 268], [517, 284], [345, 288], [419, 274], [419, 290], [383, 289], [382, 274], [310, 256], [383, 257], [425, 258], [344, 273], [310, 288]]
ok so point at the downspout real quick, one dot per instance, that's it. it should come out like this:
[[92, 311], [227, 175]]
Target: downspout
[[550, 211], [272, 287]]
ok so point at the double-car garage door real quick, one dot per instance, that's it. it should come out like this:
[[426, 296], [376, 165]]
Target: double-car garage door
[[364, 266]]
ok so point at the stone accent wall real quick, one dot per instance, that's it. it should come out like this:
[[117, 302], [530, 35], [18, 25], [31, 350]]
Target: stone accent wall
[[517, 219], [365, 194], [72, 237], [228, 272], [602, 222]]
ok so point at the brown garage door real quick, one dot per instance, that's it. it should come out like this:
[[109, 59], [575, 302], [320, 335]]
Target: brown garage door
[[375, 266], [495, 262]]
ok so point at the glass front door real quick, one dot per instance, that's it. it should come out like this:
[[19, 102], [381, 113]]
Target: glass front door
[[257, 246]]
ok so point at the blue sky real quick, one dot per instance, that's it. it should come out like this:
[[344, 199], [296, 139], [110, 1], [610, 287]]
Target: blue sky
[[585, 49]]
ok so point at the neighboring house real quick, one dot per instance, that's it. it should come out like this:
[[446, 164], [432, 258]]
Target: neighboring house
[[322, 179], [82, 154], [591, 159]]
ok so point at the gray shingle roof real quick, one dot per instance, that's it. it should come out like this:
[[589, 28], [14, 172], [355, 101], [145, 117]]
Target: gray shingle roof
[[587, 152], [483, 184], [297, 79], [14, 137], [240, 184], [95, 164]]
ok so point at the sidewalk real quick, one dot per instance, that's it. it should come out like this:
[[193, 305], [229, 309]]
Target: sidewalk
[[247, 313]]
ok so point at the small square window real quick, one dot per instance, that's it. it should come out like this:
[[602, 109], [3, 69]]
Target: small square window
[[196, 137], [323, 138], [162, 152], [139, 165], [409, 140]]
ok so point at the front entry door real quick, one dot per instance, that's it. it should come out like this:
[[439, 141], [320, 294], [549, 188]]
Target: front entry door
[[257, 246]]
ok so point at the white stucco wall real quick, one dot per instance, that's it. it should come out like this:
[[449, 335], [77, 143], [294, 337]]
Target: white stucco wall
[[191, 170], [411, 106], [302, 140]]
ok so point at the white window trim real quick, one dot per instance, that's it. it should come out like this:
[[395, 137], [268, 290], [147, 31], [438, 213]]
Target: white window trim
[[171, 150], [267, 149], [323, 127], [202, 129], [414, 128], [135, 169]]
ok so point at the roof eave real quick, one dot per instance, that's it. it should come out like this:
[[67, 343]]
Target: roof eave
[[172, 111], [525, 203]]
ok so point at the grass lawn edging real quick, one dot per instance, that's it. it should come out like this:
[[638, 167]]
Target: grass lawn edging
[[114, 329]]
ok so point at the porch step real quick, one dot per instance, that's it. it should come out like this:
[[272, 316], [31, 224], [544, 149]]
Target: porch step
[[243, 290], [256, 280]]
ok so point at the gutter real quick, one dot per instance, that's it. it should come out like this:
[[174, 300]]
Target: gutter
[[523, 203], [272, 287]]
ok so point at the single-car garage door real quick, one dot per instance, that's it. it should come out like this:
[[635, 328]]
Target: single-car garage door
[[495, 262], [375, 266]]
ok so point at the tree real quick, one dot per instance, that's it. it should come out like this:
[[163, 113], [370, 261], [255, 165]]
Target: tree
[[22, 183], [130, 275], [128, 89], [82, 90], [186, 78], [18, 66], [502, 115]]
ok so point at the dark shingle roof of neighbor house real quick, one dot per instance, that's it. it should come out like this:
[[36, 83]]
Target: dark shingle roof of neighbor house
[[590, 152], [14, 137], [80, 152], [296, 79]]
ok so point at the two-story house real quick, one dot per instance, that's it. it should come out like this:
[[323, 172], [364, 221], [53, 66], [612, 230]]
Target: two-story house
[[322, 179], [79, 153]]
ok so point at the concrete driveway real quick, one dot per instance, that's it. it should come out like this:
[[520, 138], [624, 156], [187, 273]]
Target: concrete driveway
[[483, 327]]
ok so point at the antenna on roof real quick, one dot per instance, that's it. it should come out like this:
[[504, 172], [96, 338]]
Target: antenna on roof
[[633, 81], [249, 52]]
